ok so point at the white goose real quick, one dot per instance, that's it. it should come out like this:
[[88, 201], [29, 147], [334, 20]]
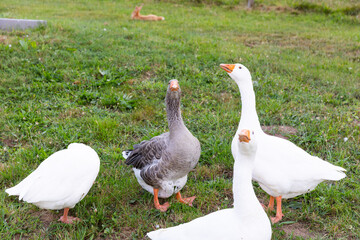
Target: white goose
[[282, 169], [246, 220], [61, 181]]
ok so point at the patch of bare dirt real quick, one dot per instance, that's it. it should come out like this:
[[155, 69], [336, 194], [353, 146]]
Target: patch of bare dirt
[[280, 131], [285, 41], [280, 9], [291, 41], [46, 217], [265, 8], [299, 229], [8, 142]]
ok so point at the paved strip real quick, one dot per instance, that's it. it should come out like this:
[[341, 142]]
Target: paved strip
[[14, 24]]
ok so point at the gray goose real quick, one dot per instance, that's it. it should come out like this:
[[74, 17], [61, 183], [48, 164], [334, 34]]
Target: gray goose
[[162, 163]]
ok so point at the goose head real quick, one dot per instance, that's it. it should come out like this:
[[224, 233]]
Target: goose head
[[173, 90], [172, 98], [238, 72], [247, 143]]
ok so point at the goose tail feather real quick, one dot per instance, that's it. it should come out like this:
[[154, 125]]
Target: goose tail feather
[[126, 153]]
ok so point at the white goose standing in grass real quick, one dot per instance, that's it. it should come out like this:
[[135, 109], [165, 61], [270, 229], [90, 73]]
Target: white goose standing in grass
[[282, 169], [162, 163], [61, 181], [246, 220]]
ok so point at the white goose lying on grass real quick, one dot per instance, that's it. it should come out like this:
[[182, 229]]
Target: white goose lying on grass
[[282, 169], [246, 220], [162, 163], [61, 181]]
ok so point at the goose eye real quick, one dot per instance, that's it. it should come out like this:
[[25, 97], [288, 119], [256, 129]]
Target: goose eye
[[239, 67], [252, 132]]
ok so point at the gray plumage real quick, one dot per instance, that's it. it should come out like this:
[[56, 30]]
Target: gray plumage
[[169, 157]]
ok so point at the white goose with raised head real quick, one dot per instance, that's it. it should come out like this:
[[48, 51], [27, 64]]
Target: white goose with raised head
[[282, 169]]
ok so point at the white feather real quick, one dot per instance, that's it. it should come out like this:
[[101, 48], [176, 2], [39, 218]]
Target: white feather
[[168, 187], [126, 154], [61, 180], [281, 168]]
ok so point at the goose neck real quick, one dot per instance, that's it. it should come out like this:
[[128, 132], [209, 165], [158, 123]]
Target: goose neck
[[249, 117], [175, 121], [245, 200]]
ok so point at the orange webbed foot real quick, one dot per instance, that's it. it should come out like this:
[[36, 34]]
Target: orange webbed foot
[[188, 200], [69, 219], [277, 218], [162, 208]]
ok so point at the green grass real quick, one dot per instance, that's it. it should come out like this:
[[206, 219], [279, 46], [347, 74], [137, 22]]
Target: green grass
[[95, 76]]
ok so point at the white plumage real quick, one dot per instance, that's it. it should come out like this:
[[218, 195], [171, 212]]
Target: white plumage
[[167, 189], [293, 170], [282, 169], [61, 180]]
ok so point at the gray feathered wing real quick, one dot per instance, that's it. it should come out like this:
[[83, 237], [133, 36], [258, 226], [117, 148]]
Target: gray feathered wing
[[148, 156]]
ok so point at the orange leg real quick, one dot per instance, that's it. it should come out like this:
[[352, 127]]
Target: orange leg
[[68, 219], [271, 203], [163, 207], [270, 206], [279, 213], [187, 201]]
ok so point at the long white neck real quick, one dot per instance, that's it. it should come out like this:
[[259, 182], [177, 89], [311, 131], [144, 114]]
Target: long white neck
[[249, 118], [245, 200]]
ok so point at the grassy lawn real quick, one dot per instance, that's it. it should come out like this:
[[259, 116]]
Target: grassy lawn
[[95, 76]]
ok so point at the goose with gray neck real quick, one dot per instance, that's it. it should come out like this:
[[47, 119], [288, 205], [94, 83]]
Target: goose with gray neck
[[161, 164], [282, 169]]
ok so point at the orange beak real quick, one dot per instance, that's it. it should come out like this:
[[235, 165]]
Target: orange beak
[[244, 136], [174, 85], [228, 67]]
